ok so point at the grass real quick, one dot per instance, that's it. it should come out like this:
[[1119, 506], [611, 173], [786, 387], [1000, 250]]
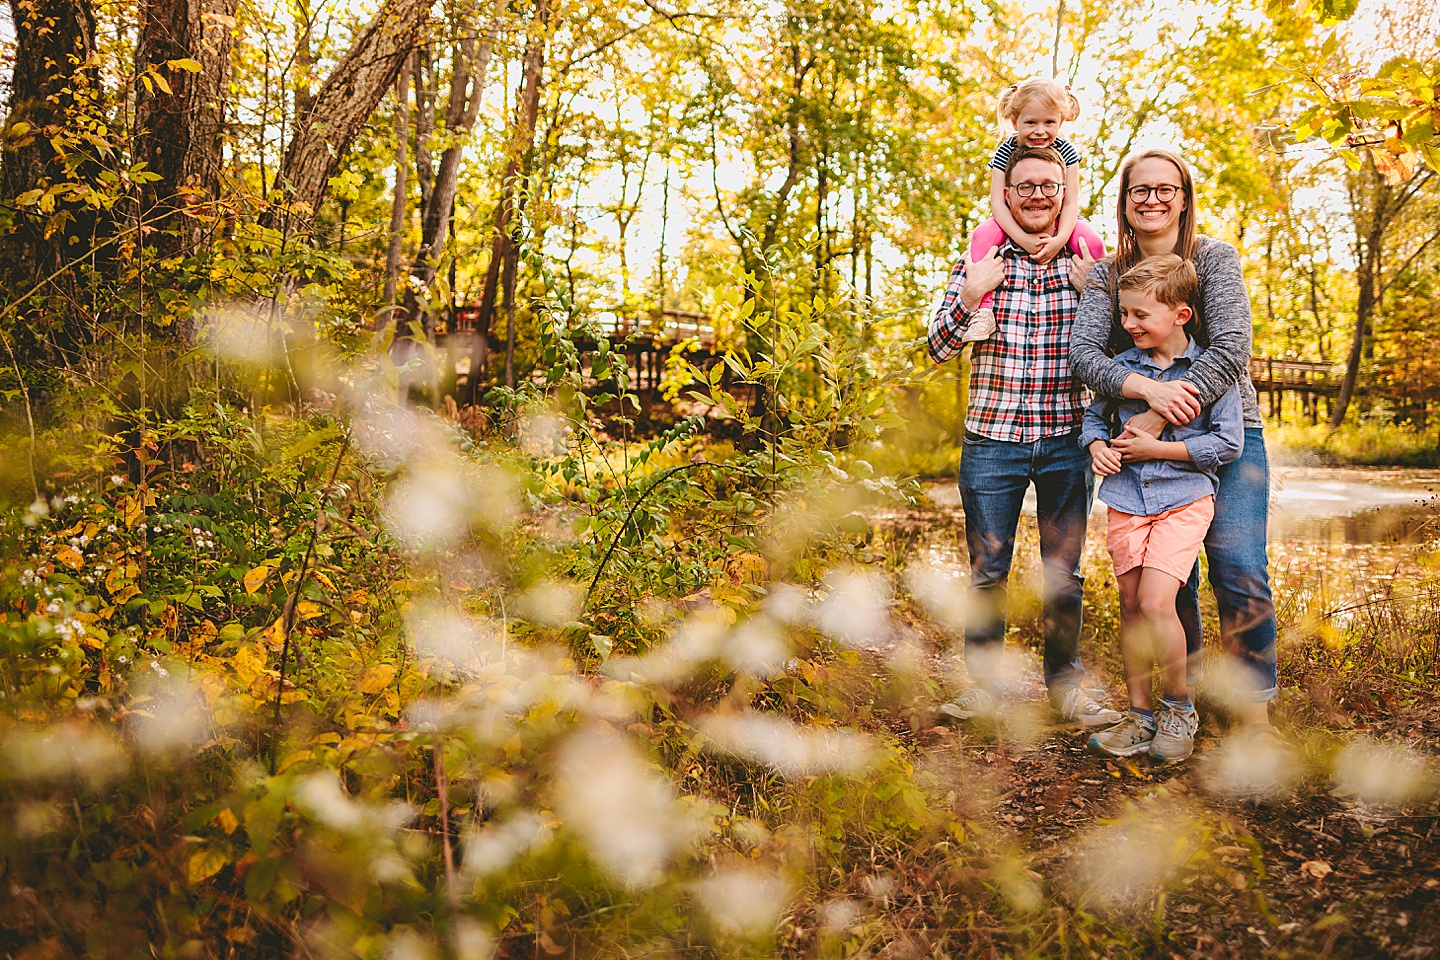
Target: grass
[[1372, 443]]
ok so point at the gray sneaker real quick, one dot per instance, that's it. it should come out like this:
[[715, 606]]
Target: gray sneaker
[[1174, 735], [1131, 736], [1074, 705], [981, 326], [975, 703]]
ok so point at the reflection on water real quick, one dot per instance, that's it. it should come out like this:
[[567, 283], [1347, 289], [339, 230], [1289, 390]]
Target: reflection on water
[[1413, 524], [1379, 507]]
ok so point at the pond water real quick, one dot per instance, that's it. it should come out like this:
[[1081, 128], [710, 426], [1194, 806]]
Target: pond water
[[1358, 506], [1337, 505]]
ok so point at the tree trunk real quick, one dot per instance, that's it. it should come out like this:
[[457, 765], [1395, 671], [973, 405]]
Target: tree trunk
[[397, 205], [502, 246], [1369, 236], [182, 133], [51, 82], [466, 88], [759, 343], [1364, 309], [424, 126], [344, 103]]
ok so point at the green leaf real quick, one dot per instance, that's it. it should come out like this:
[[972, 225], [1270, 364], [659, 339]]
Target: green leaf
[[1420, 133], [1334, 11], [603, 645], [310, 442]]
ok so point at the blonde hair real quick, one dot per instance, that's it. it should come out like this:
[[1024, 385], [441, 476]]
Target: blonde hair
[[1168, 277], [1037, 89]]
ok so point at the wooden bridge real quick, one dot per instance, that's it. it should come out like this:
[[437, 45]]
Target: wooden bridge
[[645, 341], [1310, 380]]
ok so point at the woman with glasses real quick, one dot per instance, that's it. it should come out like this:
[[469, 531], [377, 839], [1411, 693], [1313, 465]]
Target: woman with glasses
[[1157, 216]]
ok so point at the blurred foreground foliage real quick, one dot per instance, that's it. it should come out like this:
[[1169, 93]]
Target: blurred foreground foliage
[[296, 665]]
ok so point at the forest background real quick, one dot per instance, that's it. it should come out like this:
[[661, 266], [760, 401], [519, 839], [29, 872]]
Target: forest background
[[332, 629]]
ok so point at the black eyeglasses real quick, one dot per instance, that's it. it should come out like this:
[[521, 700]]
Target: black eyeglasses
[[1164, 192], [1048, 189]]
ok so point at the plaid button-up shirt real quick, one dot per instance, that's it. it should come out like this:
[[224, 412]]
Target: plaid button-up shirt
[[1021, 388]]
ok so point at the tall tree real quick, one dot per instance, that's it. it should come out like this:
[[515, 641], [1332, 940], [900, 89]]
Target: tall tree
[[467, 84], [344, 103], [503, 249], [53, 91], [183, 61], [397, 200], [1376, 209]]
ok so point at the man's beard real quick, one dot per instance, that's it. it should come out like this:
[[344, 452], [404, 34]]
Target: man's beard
[[1037, 220]]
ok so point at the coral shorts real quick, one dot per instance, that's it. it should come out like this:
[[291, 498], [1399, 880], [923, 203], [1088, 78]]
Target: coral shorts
[[1168, 542]]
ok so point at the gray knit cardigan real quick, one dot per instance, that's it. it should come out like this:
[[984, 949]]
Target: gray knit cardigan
[[1224, 306]]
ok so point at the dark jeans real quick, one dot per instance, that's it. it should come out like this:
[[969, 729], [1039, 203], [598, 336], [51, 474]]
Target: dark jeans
[[994, 476], [1239, 571]]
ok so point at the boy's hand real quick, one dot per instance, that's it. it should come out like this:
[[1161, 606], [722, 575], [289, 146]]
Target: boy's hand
[[1136, 444], [1104, 460], [1049, 249]]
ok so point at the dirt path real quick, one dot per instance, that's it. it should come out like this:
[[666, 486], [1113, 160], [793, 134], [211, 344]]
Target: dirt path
[[1344, 860]]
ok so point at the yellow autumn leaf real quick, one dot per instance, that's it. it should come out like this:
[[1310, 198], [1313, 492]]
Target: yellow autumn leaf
[[255, 578], [227, 820], [299, 756], [91, 529], [120, 575], [133, 511], [71, 557], [324, 581], [249, 663], [377, 678], [274, 635], [307, 610], [204, 863], [359, 597]]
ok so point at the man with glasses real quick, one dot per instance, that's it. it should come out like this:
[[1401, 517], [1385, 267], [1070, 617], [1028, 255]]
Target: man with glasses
[[1021, 428]]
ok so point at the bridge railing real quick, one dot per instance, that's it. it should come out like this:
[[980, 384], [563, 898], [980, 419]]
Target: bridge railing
[[674, 325], [1275, 373]]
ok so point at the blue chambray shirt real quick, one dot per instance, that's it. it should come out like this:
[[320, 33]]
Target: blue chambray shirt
[[1149, 487]]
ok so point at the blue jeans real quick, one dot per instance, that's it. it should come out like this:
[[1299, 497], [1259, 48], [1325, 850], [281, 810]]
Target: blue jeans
[[994, 475], [1239, 571]]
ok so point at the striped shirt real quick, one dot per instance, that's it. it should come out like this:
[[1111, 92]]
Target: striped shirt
[[1067, 150], [1021, 387]]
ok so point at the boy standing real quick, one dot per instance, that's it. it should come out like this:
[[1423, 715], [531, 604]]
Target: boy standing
[[1161, 494]]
